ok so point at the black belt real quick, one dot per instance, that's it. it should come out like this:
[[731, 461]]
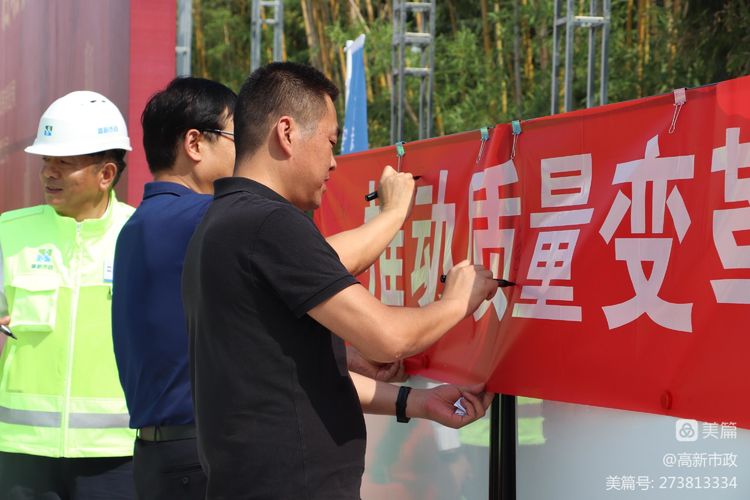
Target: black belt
[[167, 432]]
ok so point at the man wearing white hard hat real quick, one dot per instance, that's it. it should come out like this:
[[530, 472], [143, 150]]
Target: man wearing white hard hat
[[63, 419]]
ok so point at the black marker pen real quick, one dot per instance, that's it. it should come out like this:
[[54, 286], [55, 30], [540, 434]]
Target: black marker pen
[[374, 194], [500, 282]]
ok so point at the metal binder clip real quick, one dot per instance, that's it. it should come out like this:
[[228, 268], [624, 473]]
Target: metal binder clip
[[485, 134], [516, 124], [679, 100], [400, 154]]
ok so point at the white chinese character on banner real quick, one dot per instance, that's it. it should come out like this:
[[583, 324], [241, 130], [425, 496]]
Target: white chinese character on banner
[[657, 171], [427, 269], [371, 211], [391, 266], [730, 159], [566, 182], [493, 240]]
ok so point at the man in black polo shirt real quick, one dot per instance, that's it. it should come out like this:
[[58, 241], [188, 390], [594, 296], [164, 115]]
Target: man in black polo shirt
[[277, 413]]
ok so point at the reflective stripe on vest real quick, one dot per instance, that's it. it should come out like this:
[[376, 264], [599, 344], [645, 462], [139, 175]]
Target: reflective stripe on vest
[[54, 419], [98, 420], [30, 417]]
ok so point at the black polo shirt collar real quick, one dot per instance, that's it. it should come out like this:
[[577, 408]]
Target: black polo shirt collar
[[230, 185]]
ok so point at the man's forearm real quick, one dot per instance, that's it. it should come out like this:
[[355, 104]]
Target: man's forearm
[[358, 248], [378, 398]]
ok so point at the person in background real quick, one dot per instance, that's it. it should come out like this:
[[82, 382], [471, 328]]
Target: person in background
[[63, 419], [188, 139]]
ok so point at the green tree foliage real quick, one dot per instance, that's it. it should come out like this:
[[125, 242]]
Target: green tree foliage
[[492, 57]]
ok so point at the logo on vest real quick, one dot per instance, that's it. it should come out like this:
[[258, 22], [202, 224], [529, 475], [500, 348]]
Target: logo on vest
[[43, 260]]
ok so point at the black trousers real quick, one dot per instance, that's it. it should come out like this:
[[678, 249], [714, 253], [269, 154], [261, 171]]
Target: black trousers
[[165, 470], [31, 477]]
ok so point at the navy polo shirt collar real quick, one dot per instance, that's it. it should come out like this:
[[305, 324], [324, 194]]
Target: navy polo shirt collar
[[156, 188]]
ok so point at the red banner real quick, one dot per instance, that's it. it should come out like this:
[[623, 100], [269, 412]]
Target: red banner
[[626, 229]]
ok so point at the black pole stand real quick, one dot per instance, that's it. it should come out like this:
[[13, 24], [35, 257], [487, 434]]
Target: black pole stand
[[503, 448]]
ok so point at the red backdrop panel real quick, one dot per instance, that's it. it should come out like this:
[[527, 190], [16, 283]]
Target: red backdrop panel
[[48, 50], [122, 49], [152, 66]]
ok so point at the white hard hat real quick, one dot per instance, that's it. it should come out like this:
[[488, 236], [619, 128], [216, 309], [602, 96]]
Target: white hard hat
[[80, 123]]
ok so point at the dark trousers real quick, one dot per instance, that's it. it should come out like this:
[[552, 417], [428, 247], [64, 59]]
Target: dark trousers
[[31, 477], [168, 470]]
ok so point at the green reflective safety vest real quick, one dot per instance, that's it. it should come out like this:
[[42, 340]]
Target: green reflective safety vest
[[529, 420], [60, 394]]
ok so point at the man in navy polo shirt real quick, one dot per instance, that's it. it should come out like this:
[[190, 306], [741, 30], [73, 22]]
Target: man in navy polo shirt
[[188, 138]]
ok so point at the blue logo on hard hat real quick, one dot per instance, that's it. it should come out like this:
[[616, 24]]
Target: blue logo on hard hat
[[107, 130], [47, 132]]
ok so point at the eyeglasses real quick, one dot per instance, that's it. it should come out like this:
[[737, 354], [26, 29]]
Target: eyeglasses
[[228, 135]]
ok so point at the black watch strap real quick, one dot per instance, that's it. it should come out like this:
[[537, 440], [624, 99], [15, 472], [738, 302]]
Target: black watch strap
[[403, 394]]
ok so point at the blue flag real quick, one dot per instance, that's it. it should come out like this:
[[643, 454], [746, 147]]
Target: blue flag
[[355, 136]]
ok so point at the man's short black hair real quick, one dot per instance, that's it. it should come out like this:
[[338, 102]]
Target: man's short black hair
[[276, 90], [186, 103]]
